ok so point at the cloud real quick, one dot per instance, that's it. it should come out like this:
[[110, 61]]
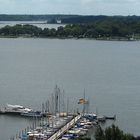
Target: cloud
[[111, 1], [95, 7], [87, 1]]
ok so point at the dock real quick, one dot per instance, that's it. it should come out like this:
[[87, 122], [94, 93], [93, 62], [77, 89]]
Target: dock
[[65, 128]]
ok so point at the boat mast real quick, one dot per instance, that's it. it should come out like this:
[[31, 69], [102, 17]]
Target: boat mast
[[84, 103], [67, 105], [56, 99]]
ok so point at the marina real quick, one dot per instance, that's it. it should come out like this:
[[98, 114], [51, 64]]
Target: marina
[[53, 127], [62, 128], [53, 124]]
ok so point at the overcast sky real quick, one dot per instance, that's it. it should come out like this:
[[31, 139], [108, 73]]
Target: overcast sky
[[84, 7]]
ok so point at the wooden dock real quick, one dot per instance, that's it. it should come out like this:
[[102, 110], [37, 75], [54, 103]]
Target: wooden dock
[[65, 128]]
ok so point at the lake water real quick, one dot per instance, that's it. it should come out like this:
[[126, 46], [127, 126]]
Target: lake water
[[109, 71], [40, 24]]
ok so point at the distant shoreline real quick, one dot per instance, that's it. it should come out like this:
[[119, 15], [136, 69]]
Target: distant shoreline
[[71, 31], [76, 38]]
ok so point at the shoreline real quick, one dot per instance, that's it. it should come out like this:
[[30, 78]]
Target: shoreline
[[76, 38]]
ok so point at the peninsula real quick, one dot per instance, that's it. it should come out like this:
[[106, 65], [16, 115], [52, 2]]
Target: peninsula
[[94, 27]]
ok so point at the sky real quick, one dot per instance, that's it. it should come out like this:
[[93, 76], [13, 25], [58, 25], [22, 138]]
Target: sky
[[80, 7]]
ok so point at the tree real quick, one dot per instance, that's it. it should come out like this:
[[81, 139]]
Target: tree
[[99, 134], [112, 133]]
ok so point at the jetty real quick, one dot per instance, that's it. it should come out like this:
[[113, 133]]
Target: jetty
[[65, 128]]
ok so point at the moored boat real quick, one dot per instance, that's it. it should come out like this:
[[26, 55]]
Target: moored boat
[[16, 109], [32, 114]]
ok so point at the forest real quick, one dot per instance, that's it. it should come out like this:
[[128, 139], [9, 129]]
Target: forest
[[102, 27]]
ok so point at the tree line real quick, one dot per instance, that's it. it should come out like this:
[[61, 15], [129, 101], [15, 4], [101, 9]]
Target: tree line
[[66, 18], [111, 133], [48, 17], [106, 29]]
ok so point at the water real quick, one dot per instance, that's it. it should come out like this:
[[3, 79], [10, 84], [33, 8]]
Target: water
[[109, 72], [40, 24]]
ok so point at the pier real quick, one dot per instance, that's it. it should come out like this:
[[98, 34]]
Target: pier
[[65, 128]]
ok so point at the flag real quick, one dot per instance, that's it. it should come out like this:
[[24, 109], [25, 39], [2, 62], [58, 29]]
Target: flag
[[82, 101]]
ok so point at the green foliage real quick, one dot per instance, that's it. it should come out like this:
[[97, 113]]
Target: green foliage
[[99, 135], [98, 27], [112, 133]]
